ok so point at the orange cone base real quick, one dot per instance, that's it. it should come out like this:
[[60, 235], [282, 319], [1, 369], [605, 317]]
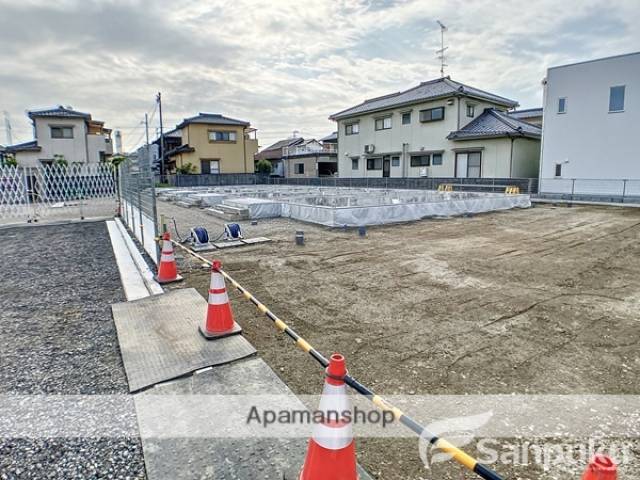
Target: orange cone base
[[215, 335], [323, 464], [178, 278]]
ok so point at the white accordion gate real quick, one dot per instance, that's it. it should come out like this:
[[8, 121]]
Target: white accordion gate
[[56, 193]]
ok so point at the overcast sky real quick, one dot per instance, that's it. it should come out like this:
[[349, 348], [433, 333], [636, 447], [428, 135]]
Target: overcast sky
[[283, 65]]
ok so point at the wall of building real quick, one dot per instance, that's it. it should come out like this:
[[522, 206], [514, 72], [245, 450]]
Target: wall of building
[[232, 155], [74, 149], [405, 140], [526, 158], [310, 167], [589, 141]]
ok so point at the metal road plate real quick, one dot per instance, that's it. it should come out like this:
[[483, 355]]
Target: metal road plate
[[160, 341], [218, 457], [249, 241]]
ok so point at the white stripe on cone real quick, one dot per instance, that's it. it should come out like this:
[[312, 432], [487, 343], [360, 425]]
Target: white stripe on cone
[[218, 298], [333, 437], [217, 281]]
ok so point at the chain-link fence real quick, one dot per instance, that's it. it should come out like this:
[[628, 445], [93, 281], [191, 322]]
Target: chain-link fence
[[138, 201], [56, 193]]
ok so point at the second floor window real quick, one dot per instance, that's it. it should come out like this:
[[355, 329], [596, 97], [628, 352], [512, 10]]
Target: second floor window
[[221, 136], [406, 118], [562, 105], [432, 114], [351, 128], [471, 110], [354, 163], [61, 132], [383, 123], [616, 99]]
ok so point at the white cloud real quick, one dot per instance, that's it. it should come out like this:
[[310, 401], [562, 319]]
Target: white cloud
[[284, 65]]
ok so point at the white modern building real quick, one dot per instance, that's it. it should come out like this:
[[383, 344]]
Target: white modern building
[[63, 134], [591, 119], [440, 128]]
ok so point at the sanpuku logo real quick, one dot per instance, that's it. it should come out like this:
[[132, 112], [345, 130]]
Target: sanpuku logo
[[459, 431]]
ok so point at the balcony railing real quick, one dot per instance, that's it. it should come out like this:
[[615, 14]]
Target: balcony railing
[[307, 149]]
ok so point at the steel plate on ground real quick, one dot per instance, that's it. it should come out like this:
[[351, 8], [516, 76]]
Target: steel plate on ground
[[159, 338], [218, 453]]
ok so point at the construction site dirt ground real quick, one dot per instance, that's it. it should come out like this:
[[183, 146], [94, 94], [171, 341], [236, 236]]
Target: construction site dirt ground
[[537, 301]]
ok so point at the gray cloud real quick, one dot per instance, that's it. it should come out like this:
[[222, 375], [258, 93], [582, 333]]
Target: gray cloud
[[283, 65]]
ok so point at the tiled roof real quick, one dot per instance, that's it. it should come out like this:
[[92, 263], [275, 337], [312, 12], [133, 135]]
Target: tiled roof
[[181, 149], [494, 123], [31, 146], [213, 118], [526, 113], [441, 87], [273, 152], [331, 138], [58, 112]]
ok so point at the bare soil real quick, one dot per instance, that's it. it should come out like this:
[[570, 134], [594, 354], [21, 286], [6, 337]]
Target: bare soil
[[543, 300]]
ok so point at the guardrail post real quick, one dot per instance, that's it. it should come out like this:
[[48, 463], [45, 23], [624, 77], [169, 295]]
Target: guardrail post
[[624, 189], [573, 188]]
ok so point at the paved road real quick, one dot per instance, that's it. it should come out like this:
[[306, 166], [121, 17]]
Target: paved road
[[57, 337]]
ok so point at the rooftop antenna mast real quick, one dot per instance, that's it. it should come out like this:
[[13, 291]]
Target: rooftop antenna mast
[[7, 127], [440, 52]]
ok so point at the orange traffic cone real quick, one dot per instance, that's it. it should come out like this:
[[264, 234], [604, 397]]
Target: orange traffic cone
[[219, 319], [168, 270], [332, 453], [601, 467]]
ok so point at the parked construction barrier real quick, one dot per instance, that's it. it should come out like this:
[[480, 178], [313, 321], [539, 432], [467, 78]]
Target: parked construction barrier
[[218, 320], [168, 269], [511, 190], [445, 187], [331, 454], [458, 455]]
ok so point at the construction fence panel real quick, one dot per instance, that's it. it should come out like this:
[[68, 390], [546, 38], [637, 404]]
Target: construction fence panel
[[591, 190], [138, 202], [56, 193]]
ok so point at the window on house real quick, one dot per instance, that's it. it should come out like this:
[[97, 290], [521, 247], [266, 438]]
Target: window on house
[[61, 132], [432, 114], [221, 136], [395, 161], [420, 160], [558, 170], [471, 110], [436, 159], [205, 166], [351, 128], [616, 99], [354, 163], [562, 105], [406, 118], [474, 169], [299, 168], [374, 163], [383, 123]]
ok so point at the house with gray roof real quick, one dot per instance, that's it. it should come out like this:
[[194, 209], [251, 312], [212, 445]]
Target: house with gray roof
[[298, 157], [439, 128], [63, 133]]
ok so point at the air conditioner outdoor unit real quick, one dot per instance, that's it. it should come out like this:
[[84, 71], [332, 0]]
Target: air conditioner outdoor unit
[[424, 172], [369, 148]]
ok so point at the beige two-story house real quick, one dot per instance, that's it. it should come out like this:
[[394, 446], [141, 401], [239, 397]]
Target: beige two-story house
[[62, 134], [440, 128], [210, 143]]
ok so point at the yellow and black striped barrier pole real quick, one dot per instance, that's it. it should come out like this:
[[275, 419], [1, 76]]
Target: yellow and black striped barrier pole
[[458, 455]]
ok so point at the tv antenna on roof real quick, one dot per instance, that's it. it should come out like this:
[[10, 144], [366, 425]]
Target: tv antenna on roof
[[440, 52]]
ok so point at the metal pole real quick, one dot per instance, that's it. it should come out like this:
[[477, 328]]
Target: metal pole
[[624, 189], [162, 171]]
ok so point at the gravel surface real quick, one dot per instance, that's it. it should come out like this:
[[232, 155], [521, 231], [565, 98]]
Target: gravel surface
[[58, 338]]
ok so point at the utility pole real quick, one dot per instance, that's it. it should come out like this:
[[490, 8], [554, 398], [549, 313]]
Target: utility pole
[[159, 100], [7, 126], [146, 132], [440, 52]]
